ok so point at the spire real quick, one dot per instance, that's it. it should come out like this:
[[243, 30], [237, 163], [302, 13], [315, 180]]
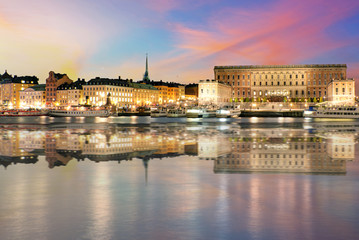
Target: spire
[[145, 76]]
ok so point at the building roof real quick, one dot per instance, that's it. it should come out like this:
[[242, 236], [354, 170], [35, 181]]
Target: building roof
[[74, 85], [107, 81], [282, 66], [39, 87], [22, 79], [143, 86], [5, 75]]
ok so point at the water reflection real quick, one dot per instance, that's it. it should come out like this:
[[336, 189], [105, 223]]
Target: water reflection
[[311, 148]]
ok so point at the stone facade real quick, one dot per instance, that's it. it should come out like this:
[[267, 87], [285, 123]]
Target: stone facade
[[342, 91], [293, 81], [213, 92]]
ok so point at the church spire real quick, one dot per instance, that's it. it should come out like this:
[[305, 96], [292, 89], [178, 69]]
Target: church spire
[[145, 76]]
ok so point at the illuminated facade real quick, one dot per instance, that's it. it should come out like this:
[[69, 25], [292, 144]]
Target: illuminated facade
[[213, 92], [342, 91], [97, 90], [144, 94], [33, 97], [10, 88], [71, 94], [293, 81], [52, 83]]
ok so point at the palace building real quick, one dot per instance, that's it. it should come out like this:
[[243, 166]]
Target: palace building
[[292, 81]]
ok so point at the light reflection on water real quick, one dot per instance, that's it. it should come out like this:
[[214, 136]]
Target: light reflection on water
[[267, 179]]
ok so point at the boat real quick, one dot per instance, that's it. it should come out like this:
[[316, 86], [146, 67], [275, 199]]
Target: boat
[[228, 112], [209, 113], [158, 113], [175, 113], [334, 112], [79, 112], [194, 113], [23, 113]]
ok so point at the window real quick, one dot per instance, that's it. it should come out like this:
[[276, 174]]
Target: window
[[302, 83], [228, 77], [320, 75], [296, 92], [314, 75], [233, 77], [201, 90], [296, 83], [278, 83], [296, 76], [320, 82], [218, 77]]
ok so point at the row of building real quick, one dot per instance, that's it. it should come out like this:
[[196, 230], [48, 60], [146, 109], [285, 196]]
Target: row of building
[[60, 90], [328, 82], [273, 82]]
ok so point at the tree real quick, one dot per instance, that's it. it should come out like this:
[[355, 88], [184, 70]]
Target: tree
[[315, 99], [285, 99], [320, 99]]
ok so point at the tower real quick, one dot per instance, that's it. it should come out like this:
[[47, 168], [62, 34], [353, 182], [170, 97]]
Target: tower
[[145, 76]]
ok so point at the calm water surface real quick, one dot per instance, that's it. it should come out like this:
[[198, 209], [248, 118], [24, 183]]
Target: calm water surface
[[150, 179]]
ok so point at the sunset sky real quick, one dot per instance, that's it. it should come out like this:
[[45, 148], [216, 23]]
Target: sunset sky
[[185, 39]]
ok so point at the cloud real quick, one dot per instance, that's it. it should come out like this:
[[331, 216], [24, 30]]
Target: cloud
[[284, 33]]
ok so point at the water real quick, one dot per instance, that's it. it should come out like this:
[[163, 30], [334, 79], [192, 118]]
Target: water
[[137, 178]]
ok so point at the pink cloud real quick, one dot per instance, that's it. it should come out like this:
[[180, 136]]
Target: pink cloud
[[284, 33]]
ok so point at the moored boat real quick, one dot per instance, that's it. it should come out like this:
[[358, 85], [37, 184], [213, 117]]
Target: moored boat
[[81, 112], [175, 113], [334, 112], [194, 113], [158, 113], [228, 112], [23, 113]]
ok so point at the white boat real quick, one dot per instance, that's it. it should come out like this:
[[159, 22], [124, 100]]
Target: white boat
[[174, 113], [79, 113], [194, 113], [228, 112], [209, 113], [158, 113], [334, 112]]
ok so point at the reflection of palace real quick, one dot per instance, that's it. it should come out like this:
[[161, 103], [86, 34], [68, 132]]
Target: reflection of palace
[[310, 150], [287, 151]]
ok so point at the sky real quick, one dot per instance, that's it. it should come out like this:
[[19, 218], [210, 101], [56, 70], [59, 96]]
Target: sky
[[184, 39]]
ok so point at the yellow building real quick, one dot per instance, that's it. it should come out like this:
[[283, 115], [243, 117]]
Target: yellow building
[[96, 92], [294, 81], [33, 97], [144, 94], [162, 95], [10, 88], [342, 91], [71, 94]]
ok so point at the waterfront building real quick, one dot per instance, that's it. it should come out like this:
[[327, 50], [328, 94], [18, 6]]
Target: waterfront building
[[97, 90], [341, 91], [52, 83], [10, 88], [213, 92], [71, 94], [272, 81], [33, 97], [144, 94]]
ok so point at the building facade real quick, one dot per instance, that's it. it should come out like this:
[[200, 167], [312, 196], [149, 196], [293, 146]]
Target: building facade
[[52, 83], [213, 92], [342, 91], [10, 88], [71, 94], [144, 94], [96, 92], [33, 97], [292, 81]]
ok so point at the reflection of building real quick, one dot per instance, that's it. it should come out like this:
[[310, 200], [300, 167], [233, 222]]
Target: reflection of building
[[295, 81], [288, 153], [213, 92], [342, 91]]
